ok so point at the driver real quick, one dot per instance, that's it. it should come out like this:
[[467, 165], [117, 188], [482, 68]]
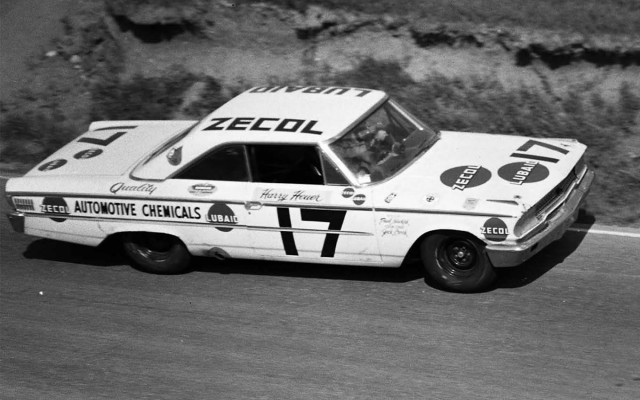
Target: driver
[[355, 149], [381, 143], [365, 147]]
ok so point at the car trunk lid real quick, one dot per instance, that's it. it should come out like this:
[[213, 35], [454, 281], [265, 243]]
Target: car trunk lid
[[109, 148]]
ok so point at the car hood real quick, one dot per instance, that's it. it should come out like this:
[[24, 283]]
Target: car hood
[[109, 148], [482, 172]]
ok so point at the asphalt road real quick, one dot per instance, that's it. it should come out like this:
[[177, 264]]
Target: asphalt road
[[78, 323]]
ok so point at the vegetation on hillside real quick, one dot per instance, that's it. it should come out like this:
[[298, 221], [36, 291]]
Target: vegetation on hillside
[[582, 16], [29, 137], [140, 97]]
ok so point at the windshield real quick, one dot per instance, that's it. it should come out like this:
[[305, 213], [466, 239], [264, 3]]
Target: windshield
[[383, 143]]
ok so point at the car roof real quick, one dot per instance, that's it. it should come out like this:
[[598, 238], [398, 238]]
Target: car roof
[[271, 115], [293, 114]]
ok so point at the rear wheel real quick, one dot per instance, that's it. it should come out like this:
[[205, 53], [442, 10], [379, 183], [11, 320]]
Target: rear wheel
[[457, 262], [157, 253]]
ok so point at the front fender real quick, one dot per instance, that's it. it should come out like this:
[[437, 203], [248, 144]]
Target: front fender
[[398, 232]]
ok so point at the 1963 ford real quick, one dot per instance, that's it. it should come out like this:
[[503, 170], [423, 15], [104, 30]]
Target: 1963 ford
[[309, 174]]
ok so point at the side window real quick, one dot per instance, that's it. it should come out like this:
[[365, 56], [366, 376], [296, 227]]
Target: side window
[[223, 164], [332, 174], [285, 164]]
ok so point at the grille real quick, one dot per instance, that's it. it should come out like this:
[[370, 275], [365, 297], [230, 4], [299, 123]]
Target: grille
[[554, 194], [23, 204]]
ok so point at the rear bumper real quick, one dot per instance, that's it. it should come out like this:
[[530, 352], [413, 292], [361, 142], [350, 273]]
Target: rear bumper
[[565, 216], [17, 221]]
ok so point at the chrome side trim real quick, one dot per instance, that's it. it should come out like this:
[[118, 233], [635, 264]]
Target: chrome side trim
[[421, 211], [112, 197], [202, 224]]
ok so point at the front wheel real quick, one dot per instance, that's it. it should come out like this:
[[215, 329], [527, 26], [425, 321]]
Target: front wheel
[[157, 253], [457, 262]]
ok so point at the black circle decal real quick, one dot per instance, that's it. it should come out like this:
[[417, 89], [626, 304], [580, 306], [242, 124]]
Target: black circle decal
[[348, 192], [89, 153], [221, 214], [52, 165], [495, 230], [56, 206], [518, 173], [466, 176], [359, 199]]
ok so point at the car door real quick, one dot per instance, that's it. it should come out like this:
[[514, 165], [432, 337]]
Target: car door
[[217, 184], [297, 213]]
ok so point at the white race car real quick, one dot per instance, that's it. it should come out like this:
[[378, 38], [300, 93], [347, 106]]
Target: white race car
[[309, 174]]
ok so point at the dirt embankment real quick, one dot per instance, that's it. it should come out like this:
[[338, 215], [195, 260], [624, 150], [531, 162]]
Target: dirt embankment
[[554, 49], [246, 44], [254, 43]]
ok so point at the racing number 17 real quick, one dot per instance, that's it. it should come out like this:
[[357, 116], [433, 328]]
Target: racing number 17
[[530, 143], [335, 218], [110, 139]]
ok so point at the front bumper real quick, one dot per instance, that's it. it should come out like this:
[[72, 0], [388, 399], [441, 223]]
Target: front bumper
[[564, 217], [17, 221]]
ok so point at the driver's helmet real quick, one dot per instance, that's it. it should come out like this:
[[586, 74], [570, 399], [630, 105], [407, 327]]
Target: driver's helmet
[[369, 131]]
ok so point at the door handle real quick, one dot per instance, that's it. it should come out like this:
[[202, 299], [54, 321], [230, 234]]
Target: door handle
[[252, 205]]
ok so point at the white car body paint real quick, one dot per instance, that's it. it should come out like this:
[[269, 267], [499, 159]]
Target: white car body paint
[[105, 182]]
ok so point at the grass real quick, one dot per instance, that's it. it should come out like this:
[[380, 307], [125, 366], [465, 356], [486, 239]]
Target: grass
[[141, 97], [211, 97], [31, 136], [583, 16]]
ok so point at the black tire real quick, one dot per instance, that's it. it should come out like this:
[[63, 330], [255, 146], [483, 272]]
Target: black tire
[[457, 262], [157, 253]]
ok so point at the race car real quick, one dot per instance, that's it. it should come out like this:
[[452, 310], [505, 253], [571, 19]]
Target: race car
[[329, 175]]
